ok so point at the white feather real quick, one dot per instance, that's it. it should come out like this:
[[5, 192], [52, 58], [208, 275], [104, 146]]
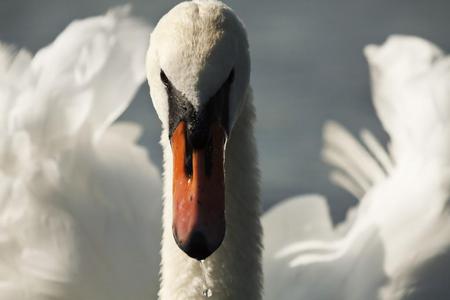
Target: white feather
[[197, 44], [74, 223], [346, 153], [73, 220], [396, 243]]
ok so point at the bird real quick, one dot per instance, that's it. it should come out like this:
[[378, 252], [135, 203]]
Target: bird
[[198, 70], [80, 199], [74, 223], [198, 56], [394, 244]]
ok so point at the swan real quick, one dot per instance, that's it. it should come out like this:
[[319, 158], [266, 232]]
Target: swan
[[80, 201], [74, 223], [395, 243], [198, 70]]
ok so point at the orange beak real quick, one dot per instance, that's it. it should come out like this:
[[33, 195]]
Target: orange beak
[[198, 192]]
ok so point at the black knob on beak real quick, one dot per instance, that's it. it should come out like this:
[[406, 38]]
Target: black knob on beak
[[196, 246]]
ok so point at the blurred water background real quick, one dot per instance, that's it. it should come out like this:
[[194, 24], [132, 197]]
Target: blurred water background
[[307, 67]]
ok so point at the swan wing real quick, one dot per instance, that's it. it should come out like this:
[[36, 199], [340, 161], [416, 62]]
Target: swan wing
[[411, 95], [411, 92], [403, 194], [79, 199], [298, 218], [357, 168], [395, 243]]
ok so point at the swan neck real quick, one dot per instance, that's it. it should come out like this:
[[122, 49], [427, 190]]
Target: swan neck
[[235, 268]]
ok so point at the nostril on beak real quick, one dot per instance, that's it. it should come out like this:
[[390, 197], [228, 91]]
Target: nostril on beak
[[197, 246]]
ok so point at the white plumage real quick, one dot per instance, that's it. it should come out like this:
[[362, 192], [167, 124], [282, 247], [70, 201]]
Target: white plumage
[[395, 243], [79, 200], [198, 44]]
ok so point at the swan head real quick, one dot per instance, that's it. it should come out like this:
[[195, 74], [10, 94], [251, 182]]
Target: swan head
[[198, 69]]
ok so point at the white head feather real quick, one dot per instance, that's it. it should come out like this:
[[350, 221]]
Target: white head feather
[[197, 44]]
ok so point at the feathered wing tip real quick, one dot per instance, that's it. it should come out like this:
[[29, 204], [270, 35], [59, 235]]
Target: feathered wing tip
[[285, 226], [296, 218], [6, 55], [85, 78], [12, 61], [13, 77], [358, 167], [411, 93]]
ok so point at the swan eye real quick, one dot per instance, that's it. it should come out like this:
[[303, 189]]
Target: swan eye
[[164, 78]]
